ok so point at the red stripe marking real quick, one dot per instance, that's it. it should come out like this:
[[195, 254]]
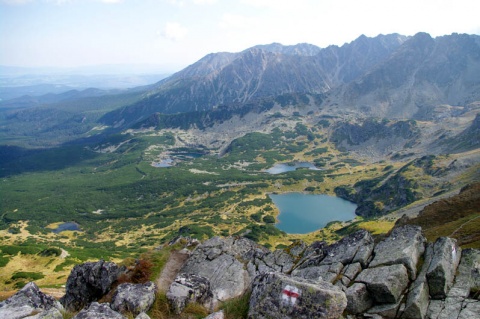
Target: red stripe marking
[[290, 293]]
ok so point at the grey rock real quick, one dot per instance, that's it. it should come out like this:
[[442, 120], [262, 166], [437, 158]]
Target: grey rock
[[418, 297], [356, 247], [313, 252], [386, 310], [26, 301], [188, 288], [441, 271], [276, 295], [350, 272], [385, 284], [404, 246], [216, 315], [327, 273], [98, 311], [470, 310], [142, 315], [358, 299], [450, 308], [223, 262], [89, 282], [435, 307], [417, 302], [134, 298], [467, 280], [279, 260], [52, 313]]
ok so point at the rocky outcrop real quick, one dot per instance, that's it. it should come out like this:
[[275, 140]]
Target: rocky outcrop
[[29, 301], [441, 271], [134, 298], [385, 284], [89, 282], [275, 295], [404, 246], [188, 288], [99, 311], [223, 263], [402, 277], [328, 263]]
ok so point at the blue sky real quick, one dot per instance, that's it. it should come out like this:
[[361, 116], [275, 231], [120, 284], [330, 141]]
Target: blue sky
[[176, 33]]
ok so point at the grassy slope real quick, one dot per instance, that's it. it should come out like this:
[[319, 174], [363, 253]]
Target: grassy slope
[[124, 205]]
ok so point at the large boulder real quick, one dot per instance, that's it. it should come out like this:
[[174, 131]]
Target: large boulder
[[29, 300], [404, 246], [134, 298], [442, 268], [385, 284], [418, 299], [358, 298], [276, 295], [356, 247], [460, 301], [98, 311], [187, 288], [89, 282], [323, 272], [223, 262]]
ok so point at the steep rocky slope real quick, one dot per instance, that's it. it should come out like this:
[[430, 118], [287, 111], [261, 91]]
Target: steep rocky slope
[[402, 276], [388, 76]]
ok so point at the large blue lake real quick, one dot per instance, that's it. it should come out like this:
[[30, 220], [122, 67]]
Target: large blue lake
[[303, 213]]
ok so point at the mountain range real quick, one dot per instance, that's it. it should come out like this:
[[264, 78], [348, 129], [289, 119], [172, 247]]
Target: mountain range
[[390, 76]]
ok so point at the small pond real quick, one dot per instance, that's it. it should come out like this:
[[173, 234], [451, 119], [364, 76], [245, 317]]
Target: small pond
[[66, 226], [303, 213], [288, 167], [167, 162]]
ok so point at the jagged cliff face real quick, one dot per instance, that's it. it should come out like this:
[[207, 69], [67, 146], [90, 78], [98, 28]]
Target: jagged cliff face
[[389, 76], [423, 74]]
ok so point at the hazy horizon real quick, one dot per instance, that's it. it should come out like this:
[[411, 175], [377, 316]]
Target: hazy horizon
[[172, 34]]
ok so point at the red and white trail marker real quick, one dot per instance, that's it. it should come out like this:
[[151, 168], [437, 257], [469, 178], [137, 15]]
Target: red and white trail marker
[[290, 294]]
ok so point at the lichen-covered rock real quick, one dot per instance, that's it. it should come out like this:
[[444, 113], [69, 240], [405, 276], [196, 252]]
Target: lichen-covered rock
[[418, 299], [327, 272], [358, 299], [223, 263], [142, 315], [385, 284], [134, 298], [404, 246], [276, 295], [385, 310], [98, 311], [26, 301], [89, 282], [188, 288], [467, 281], [441, 271], [356, 247], [350, 272], [216, 315], [52, 313]]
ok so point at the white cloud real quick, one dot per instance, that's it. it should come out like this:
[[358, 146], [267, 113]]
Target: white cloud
[[202, 2], [236, 21], [111, 1], [174, 31], [15, 2]]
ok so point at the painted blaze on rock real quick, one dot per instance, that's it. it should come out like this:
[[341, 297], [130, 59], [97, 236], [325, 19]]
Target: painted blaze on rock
[[290, 294], [276, 295]]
